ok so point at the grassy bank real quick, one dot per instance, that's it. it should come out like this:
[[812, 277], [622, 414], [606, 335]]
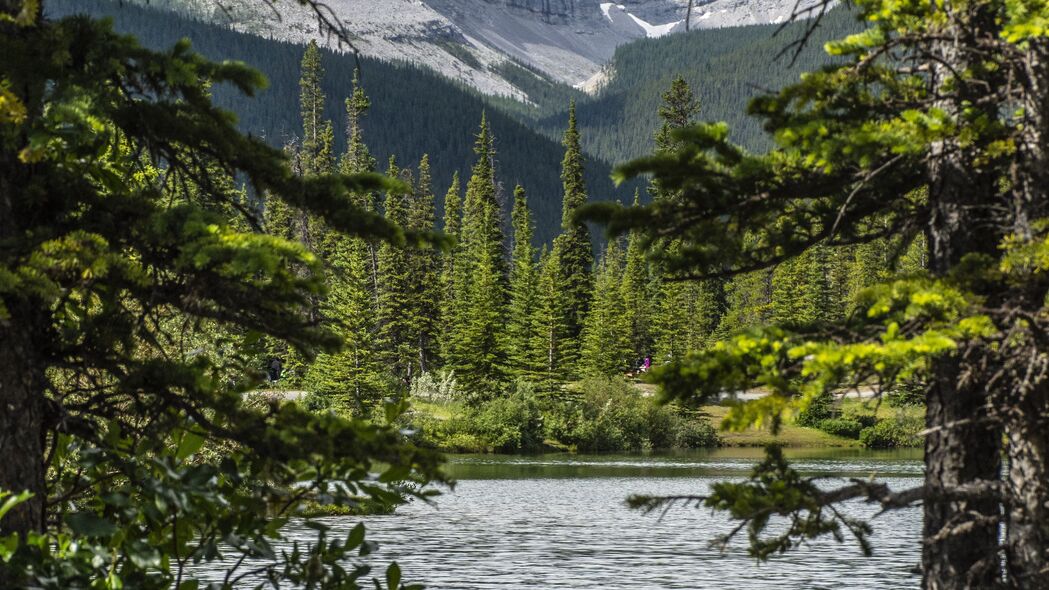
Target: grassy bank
[[602, 415]]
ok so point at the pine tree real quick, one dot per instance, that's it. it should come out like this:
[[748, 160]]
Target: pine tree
[[357, 157], [109, 269], [523, 288], [685, 314], [606, 343], [573, 248], [351, 377], [451, 301], [548, 329], [638, 295], [311, 105], [394, 314], [425, 273], [473, 339]]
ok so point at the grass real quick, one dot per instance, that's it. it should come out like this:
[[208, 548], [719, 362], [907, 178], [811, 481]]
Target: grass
[[789, 435]]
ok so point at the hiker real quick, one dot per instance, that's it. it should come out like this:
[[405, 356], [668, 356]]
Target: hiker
[[275, 370], [645, 366]]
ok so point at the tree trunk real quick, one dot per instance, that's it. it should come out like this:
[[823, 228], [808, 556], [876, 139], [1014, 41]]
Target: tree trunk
[[1027, 530], [960, 537], [1027, 422], [21, 431], [960, 548]]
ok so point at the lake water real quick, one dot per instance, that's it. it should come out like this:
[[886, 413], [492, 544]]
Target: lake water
[[559, 521]]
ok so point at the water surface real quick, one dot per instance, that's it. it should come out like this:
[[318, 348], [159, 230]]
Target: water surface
[[558, 521]]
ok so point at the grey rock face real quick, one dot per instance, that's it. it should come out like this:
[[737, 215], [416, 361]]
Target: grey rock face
[[569, 40]]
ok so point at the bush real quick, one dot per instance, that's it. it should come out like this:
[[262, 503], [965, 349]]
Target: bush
[[820, 409], [439, 386], [891, 433], [860, 414], [508, 424], [844, 427], [695, 433], [906, 393], [611, 415]]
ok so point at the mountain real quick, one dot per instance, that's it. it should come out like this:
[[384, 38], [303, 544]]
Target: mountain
[[414, 111], [473, 41]]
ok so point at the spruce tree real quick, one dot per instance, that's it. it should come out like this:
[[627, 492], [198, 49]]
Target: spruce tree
[[685, 314], [573, 248], [124, 450], [425, 271], [474, 337], [638, 297], [930, 123], [352, 376], [606, 343], [548, 329], [451, 282], [394, 314], [523, 288]]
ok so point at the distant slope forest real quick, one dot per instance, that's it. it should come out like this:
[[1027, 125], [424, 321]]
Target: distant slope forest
[[414, 111], [725, 68]]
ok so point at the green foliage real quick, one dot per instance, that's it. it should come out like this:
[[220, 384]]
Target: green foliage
[[891, 433], [605, 345], [573, 249], [844, 427], [510, 423], [524, 293], [145, 253], [611, 415], [819, 409]]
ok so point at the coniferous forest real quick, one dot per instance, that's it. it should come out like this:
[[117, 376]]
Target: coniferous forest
[[241, 326]]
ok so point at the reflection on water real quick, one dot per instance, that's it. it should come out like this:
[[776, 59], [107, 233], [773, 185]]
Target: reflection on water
[[558, 521]]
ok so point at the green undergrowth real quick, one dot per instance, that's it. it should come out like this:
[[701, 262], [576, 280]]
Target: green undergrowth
[[593, 415]]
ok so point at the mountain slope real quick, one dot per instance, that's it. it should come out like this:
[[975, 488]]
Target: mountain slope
[[415, 111], [470, 41]]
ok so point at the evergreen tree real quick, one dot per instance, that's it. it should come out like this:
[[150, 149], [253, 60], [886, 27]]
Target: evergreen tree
[[352, 376], [424, 272], [606, 343], [523, 288], [474, 343], [548, 329], [124, 451], [685, 313], [638, 295], [573, 249], [358, 157], [451, 302], [930, 123], [394, 313]]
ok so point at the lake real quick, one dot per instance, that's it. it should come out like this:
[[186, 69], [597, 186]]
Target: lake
[[558, 521]]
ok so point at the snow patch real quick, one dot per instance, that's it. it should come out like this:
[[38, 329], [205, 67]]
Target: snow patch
[[654, 31], [606, 9]]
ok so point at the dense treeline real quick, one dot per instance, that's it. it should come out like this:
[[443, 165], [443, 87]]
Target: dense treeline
[[416, 111], [494, 316], [727, 67]]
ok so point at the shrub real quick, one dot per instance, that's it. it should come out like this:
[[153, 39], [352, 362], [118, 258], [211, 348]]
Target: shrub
[[844, 427], [906, 393], [439, 386], [860, 414], [891, 433], [509, 424], [611, 415], [819, 409], [695, 433]]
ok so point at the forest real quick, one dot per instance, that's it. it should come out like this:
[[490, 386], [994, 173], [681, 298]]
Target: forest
[[224, 358]]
